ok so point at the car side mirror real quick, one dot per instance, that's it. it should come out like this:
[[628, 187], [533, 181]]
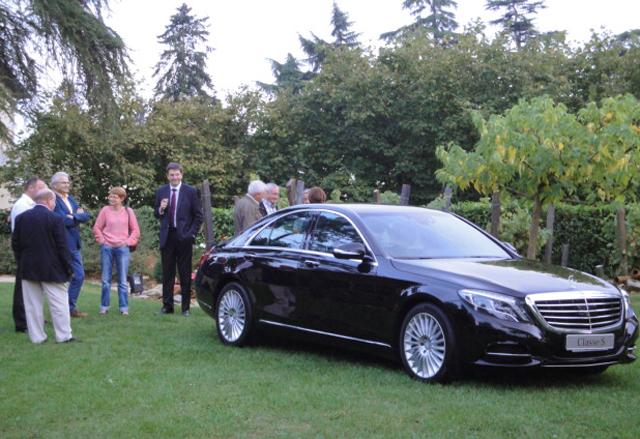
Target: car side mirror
[[354, 250]]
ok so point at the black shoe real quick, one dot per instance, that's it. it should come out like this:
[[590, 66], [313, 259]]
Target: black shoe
[[166, 311], [72, 340], [186, 313], [24, 330]]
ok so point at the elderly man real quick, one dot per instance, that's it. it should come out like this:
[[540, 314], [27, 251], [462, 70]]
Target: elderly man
[[247, 209], [31, 187], [269, 204], [73, 215], [179, 210], [40, 245]]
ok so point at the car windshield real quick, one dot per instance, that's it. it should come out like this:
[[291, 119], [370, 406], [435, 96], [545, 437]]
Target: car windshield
[[429, 234]]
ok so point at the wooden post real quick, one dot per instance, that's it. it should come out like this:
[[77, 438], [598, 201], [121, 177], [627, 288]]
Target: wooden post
[[207, 215], [599, 270], [564, 259], [448, 192], [621, 232], [495, 213], [405, 194], [376, 196], [551, 217], [299, 191], [295, 191]]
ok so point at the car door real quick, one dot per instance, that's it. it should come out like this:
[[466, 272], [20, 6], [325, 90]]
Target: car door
[[336, 295], [275, 254]]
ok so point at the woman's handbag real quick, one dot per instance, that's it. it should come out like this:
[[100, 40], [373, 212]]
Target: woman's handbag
[[132, 248]]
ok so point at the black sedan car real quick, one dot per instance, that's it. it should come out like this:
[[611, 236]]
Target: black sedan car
[[421, 285]]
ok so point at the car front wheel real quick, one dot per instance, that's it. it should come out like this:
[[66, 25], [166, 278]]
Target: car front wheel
[[234, 315], [427, 344]]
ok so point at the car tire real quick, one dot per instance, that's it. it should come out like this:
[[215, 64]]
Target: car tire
[[427, 345], [234, 315]]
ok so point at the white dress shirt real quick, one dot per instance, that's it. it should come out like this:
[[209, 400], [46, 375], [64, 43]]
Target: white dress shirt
[[175, 211], [23, 204]]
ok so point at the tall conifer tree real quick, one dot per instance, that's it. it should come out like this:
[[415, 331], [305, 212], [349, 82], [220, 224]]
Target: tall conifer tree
[[342, 33], [440, 23], [517, 19], [182, 66]]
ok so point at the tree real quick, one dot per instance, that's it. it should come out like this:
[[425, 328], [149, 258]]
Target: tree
[[70, 33], [517, 19], [316, 48], [182, 67], [341, 32], [534, 151], [288, 76], [440, 23]]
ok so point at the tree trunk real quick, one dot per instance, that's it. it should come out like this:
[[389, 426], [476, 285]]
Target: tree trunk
[[405, 194], [533, 230], [495, 213], [551, 216], [621, 229]]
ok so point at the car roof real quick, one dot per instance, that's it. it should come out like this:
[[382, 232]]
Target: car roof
[[359, 208]]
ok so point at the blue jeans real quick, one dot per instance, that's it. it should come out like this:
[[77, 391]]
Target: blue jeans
[[78, 278], [119, 255]]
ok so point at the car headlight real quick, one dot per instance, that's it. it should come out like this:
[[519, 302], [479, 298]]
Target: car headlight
[[498, 305], [628, 310]]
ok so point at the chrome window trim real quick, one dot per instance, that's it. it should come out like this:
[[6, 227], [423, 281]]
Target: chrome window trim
[[366, 244], [530, 300], [330, 334]]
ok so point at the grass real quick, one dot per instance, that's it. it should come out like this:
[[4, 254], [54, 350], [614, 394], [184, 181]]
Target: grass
[[169, 376]]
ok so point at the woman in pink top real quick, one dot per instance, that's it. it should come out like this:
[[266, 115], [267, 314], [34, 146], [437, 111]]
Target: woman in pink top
[[116, 228]]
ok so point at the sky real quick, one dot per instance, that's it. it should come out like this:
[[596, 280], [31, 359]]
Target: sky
[[247, 33]]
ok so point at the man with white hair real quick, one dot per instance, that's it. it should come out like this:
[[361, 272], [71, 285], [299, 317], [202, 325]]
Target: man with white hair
[[31, 187], [44, 265], [73, 215], [269, 204], [247, 209]]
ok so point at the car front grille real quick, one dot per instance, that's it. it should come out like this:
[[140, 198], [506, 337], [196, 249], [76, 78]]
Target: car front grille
[[579, 311]]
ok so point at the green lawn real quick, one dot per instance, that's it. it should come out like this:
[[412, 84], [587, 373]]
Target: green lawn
[[169, 376]]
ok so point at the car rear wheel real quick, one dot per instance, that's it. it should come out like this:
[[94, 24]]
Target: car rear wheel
[[427, 344], [234, 315]]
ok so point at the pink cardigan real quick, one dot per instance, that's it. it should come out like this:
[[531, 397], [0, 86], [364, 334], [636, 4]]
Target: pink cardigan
[[113, 227]]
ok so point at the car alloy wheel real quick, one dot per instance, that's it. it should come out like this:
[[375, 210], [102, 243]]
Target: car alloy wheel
[[426, 344], [234, 315]]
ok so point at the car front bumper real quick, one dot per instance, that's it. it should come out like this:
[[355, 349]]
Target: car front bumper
[[488, 341]]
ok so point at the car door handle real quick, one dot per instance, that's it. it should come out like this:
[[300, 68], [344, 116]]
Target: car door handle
[[311, 264]]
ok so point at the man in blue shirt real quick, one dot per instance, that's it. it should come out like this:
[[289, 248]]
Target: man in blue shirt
[[73, 215]]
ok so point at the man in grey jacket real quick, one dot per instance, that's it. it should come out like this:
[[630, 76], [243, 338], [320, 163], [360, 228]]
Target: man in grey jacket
[[247, 209]]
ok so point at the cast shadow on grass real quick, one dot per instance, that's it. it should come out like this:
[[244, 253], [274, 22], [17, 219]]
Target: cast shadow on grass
[[504, 378]]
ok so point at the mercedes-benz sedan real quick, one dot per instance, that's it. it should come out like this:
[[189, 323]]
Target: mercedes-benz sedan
[[421, 285]]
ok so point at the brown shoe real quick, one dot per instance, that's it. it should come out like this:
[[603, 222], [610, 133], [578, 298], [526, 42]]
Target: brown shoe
[[76, 313]]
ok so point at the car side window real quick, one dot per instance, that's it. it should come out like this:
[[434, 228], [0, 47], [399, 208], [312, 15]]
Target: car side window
[[287, 232], [332, 231]]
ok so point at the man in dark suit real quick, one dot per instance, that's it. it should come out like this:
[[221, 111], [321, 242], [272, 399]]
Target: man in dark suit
[[73, 215], [178, 208], [44, 262]]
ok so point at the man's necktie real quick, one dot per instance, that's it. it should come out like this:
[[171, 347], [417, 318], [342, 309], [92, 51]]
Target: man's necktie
[[172, 209]]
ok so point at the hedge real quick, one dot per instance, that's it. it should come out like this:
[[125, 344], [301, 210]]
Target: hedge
[[589, 231]]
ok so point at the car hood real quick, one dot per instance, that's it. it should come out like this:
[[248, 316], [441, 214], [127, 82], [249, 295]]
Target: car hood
[[517, 277]]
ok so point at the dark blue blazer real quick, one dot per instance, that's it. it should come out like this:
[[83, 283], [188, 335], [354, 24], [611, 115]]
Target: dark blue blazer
[[188, 213], [40, 246], [72, 220]]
